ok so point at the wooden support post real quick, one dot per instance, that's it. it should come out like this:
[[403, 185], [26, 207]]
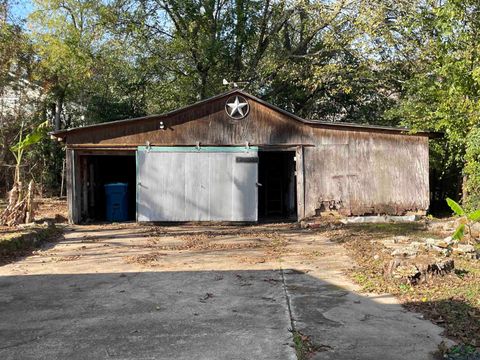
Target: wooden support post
[[84, 189], [73, 180], [62, 186], [300, 183]]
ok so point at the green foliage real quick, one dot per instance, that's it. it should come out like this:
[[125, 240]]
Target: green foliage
[[63, 34], [472, 170], [443, 91], [467, 219], [474, 216], [306, 57], [461, 351], [413, 63], [15, 53], [459, 233], [24, 143], [45, 161], [304, 348], [457, 209], [32, 138]]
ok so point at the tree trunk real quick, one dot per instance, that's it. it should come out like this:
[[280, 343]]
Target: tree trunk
[[239, 39], [30, 204], [203, 84], [464, 190], [58, 112]]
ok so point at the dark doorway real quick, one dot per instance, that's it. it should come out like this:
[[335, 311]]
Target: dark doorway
[[277, 196], [98, 170]]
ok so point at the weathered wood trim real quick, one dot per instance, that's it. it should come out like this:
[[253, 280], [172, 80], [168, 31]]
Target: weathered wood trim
[[62, 134], [102, 147], [129, 147], [427, 167], [69, 166], [73, 181], [137, 185], [84, 187], [107, 152], [281, 148], [300, 183]]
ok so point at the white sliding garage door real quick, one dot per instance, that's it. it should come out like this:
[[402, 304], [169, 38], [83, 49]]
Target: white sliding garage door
[[190, 184]]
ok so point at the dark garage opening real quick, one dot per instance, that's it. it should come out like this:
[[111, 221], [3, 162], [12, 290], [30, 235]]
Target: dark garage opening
[[277, 196], [98, 170]]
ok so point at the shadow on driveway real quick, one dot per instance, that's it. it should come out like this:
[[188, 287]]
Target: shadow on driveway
[[200, 315]]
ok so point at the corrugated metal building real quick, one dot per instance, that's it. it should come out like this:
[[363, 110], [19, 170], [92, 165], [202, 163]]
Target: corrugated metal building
[[234, 157]]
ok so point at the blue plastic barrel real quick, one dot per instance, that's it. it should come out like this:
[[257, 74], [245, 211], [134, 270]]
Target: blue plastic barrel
[[116, 201]]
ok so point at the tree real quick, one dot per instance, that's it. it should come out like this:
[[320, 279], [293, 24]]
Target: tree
[[19, 97], [20, 208], [65, 33], [442, 95], [300, 55], [411, 63]]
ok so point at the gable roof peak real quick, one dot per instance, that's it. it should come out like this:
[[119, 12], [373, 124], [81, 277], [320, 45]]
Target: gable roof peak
[[60, 134]]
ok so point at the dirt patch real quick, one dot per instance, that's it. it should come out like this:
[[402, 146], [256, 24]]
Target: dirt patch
[[52, 210], [151, 259], [205, 242], [271, 244]]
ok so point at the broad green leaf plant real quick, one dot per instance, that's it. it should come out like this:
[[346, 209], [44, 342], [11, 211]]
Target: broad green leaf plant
[[24, 143], [467, 220]]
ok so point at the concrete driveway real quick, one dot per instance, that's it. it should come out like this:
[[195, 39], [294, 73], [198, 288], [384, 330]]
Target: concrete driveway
[[198, 292]]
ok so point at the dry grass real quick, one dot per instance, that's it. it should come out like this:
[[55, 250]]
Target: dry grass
[[19, 241], [23, 242]]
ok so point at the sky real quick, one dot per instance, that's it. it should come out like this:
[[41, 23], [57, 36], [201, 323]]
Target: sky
[[20, 9]]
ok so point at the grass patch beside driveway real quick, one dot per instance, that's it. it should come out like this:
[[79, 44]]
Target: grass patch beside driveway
[[18, 242]]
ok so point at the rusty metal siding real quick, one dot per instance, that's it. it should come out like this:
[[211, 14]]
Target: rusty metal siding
[[355, 171]]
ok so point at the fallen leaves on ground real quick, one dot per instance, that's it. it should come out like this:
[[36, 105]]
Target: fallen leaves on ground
[[66, 258], [272, 243], [145, 259]]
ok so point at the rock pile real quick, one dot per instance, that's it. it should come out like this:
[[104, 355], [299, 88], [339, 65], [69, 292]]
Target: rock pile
[[443, 247], [415, 262], [417, 272]]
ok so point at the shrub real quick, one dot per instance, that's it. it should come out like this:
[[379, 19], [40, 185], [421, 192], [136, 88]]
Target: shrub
[[472, 171]]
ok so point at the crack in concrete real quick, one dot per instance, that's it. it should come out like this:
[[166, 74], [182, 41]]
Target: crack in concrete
[[287, 299]]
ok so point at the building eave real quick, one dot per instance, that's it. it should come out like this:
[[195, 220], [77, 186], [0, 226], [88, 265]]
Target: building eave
[[62, 134]]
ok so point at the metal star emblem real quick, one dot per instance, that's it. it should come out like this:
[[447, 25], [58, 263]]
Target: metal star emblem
[[237, 107]]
